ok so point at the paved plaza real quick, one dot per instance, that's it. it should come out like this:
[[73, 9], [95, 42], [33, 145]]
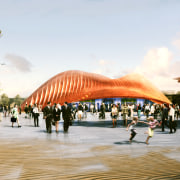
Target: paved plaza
[[91, 150]]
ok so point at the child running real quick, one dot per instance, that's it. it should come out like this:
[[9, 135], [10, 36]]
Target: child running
[[152, 124], [132, 129]]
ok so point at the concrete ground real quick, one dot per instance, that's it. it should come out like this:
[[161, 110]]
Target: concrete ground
[[91, 150]]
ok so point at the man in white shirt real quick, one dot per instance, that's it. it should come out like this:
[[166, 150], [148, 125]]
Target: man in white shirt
[[172, 124], [36, 116]]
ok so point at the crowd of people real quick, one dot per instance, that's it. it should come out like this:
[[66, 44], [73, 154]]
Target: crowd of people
[[4, 110], [166, 115]]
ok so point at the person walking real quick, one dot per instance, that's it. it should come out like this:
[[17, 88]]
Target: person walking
[[85, 108], [114, 112], [9, 109], [30, 111], [36, 115], [139, 111], [56, 116], [172, 124], [48, 115], [152, 109], [74, 110], [26, 111], [176, 111], [80, 111], [92, 108], [131, 109], [147, 110], [15, 117], [102, 110], [125, 113], [5, 110], [164, 116], [156, 111], [96, 108], [1, 112], [66, 114]]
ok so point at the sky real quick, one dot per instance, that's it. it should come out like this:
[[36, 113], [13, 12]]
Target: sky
[[41, 38]]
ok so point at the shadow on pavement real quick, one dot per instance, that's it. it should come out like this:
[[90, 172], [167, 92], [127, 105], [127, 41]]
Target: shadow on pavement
[[100, 123], [15, 126], [160, 132], [127, 142], [52, 131], [104, 123]]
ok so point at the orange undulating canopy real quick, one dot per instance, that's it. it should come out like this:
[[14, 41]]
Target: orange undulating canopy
[[73, 86], [178, 79]]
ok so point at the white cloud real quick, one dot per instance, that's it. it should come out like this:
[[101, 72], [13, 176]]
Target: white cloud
[[159, 68], [104, 67], [156, 62], [18, 62], [102, 62], [15, 78]]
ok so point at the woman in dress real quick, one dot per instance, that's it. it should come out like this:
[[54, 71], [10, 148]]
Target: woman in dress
[[15, 117]]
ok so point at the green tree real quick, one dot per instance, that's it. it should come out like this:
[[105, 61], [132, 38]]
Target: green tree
[[18, 100], [4, 99]]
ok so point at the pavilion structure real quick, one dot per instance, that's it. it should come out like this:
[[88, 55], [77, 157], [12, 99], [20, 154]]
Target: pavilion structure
[[73, 86]]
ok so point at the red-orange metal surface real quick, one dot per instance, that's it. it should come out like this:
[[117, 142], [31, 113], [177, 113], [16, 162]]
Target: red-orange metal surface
[[72, 86], [178, 79]]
